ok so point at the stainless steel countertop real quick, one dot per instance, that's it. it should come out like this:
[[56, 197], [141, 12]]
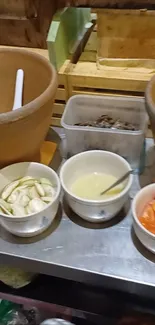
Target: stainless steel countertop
[[103, 254]]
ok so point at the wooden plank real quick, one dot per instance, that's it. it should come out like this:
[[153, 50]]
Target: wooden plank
[[62, 79], [88, 56], [149, 133], [90, 50], [86, 74], [10, 8], [61, 94], [134, 65], [27, 26], [55, 121], [97, 93], [135, 40], [64, 67], [14, 9], [108, 83], [122, 4], [92, 43], [20, 32], [58, 108]]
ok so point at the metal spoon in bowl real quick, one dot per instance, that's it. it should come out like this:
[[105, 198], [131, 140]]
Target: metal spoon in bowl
[[120, 180]]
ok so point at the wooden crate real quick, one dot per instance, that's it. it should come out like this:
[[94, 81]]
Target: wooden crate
[[87, 77]]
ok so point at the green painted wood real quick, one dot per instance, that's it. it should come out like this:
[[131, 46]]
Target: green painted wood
[[66, 31]]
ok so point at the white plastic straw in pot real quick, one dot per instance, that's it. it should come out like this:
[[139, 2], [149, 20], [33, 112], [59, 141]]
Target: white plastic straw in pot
[[18, 89]]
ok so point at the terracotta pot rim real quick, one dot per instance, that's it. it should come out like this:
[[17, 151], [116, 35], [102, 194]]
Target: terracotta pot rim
[[35, 104], [148, 90]]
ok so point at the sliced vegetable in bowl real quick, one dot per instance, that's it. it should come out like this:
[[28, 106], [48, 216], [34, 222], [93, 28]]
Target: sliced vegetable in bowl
[[147, 218], [16, 214], [143, 211], [26, 195]]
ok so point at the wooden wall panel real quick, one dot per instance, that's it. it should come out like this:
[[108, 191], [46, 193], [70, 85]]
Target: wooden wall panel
[[25, 22], [126, 4]]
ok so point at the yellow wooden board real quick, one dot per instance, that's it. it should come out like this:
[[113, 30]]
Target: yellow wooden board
[[47, 152], [126, 34], [115, 75], [56, 121], [58, 108], [61, 94], [86, 74], [94, 92], [91, 45]]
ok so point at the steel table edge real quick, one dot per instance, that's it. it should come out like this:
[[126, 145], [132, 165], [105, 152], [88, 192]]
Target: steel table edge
[[80, 275]]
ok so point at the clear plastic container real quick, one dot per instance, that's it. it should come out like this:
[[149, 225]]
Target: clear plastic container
[[82, 108]]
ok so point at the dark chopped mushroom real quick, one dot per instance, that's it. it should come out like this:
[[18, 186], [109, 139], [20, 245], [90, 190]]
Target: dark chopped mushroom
[[105, 121], [84, 124]]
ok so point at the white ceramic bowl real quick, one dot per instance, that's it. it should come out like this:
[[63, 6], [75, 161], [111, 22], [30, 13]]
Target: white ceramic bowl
[[95, 161], [144, 196], [35, 223]]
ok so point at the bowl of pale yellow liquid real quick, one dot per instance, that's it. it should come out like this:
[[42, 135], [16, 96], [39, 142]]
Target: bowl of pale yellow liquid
[[87, 174]]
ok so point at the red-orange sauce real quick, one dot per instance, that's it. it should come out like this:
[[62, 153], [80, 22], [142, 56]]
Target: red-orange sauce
[[147, 218]]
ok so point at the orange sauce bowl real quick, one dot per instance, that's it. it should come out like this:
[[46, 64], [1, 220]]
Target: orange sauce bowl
[[143, 210]]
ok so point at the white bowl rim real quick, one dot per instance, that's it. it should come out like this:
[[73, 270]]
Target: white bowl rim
[[24, 218], [134, 210], [112, 199]]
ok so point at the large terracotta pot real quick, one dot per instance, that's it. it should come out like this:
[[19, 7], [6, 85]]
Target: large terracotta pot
[[150, 103], [22, 131]]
